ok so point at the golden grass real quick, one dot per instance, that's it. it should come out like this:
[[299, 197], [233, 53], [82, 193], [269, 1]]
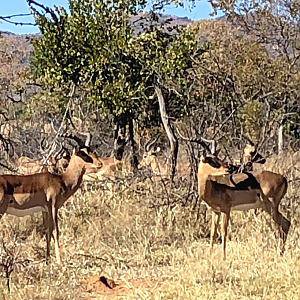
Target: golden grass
[[143, 229]]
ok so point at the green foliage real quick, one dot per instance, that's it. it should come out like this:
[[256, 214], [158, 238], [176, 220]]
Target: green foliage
[[93, 47], [252, 116]]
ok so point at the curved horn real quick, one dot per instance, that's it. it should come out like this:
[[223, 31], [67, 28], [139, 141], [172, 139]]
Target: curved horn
[[151, 143], [78, 140], [42, 147], [52, 125], [213, 144], [249, 141]]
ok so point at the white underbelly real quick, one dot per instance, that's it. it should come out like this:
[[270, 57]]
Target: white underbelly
[[25, 212], [248, 206]]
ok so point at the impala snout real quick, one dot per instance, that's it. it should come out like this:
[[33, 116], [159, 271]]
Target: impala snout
[[94, 167], [142, 163]]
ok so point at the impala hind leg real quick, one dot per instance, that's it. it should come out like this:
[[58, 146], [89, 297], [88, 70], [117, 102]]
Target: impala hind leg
[[45, 216], [6, 197], [282, 222], [47, 220], [215, 219]]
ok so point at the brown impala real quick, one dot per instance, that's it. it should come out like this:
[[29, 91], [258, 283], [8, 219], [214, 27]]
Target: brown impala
[[48, 192], [224, 192], [150, 159]]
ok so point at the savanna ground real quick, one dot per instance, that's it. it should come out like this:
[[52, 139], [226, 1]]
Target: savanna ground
[[153, 240]]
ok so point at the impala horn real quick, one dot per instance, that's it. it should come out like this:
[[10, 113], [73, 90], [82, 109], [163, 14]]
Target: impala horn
[[151, 143]]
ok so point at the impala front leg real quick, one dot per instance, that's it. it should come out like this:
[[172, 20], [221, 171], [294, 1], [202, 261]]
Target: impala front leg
[[225, 221], [215, 219]]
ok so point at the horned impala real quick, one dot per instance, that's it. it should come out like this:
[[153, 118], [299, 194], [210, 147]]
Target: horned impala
[[47, 192], [224, 192], [150, 159]]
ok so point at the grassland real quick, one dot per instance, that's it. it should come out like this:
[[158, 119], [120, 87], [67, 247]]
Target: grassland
[[146, 230]]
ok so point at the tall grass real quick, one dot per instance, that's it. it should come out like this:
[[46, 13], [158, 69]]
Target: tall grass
[[147, 228]]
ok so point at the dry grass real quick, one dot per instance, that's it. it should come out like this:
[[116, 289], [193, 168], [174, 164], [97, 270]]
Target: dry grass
[[146, 230]]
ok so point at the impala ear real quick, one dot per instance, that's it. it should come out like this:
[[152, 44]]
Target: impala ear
[[203, 158]]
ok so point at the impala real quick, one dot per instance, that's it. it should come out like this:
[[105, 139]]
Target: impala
[[48, 192], [108, 170], [224, 192], [150, 159], [110, 164], [250, 156]]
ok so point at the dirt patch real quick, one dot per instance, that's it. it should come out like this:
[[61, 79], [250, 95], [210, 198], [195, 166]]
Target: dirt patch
[[110, 288]]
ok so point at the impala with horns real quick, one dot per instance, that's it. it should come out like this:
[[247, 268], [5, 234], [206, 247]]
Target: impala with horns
[[150, 159], [224, 192], [48, 192]]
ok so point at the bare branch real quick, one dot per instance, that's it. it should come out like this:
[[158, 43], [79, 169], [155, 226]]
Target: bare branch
[[8, 19]]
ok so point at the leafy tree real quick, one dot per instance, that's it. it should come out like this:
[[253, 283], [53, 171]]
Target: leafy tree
[[274, 24], [94, 49], [242, 82]]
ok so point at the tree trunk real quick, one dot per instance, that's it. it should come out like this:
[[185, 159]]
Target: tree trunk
[[280, 135], [169, 130], [120, 137], [131, 135]]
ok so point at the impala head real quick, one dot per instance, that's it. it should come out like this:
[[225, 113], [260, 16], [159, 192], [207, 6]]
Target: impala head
[[150, 154], [85, 158], [251, 155], [211, 165], [91, 163], [63, 162]]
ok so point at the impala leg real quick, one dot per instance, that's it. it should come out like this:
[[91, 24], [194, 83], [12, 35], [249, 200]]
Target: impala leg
[[49, 229], [225, 221], [6, 197], [56, 234], [45, 216], [215, 219], [283, 223]]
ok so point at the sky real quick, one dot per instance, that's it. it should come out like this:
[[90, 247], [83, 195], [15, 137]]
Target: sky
[[11, 7]]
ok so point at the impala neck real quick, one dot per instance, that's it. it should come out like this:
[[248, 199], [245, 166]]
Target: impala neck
[[73, 175], [204, 172]]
